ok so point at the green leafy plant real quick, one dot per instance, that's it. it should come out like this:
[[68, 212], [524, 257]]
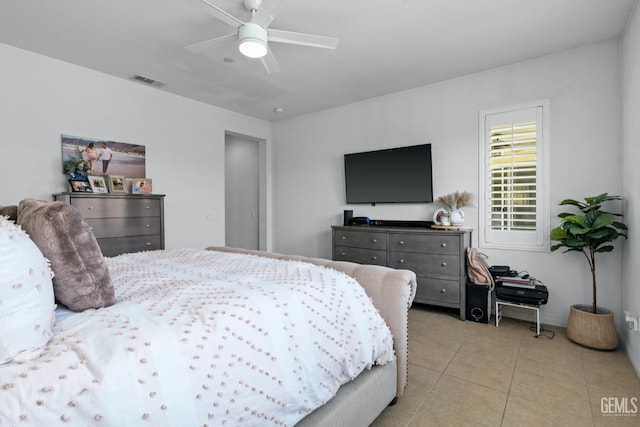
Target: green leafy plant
[[76, 164], [591, 231]]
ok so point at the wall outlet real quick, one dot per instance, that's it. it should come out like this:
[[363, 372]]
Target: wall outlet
[[631, 320]]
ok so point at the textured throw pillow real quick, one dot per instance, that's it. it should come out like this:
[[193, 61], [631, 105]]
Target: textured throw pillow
[[82, 278], [26, 294]]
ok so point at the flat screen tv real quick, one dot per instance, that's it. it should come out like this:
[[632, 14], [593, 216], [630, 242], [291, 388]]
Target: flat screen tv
[[394, 175]]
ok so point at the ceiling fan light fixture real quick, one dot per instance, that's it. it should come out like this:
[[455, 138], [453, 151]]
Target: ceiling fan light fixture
[[253, 40]]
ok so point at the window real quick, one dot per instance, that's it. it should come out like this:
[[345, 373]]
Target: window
[[514, 197]]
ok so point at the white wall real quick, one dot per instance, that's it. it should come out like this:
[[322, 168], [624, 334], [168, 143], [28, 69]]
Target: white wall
[[631, 178], [42, 98], [583, 86]]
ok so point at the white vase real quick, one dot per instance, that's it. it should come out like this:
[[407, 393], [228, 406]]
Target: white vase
[[457, 217]]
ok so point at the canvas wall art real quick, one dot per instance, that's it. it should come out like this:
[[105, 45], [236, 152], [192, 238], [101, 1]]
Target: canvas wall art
[[103, 157]]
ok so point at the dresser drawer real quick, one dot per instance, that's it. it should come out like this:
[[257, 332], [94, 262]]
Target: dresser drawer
[[359, 239], [361, 256], [119, 245], [121, 227], [436, 256], [121, 222], [446, 265], [438, 292], [432, 244], [114, 207]]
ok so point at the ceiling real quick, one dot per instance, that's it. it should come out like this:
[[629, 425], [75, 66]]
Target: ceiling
[[385, 45]]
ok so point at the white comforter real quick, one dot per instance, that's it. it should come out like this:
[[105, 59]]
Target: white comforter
[[200, 338]]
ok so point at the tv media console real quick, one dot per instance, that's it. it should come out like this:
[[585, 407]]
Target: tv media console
[[436, 256]]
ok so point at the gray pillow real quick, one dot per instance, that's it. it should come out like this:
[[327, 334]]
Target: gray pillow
[[82, 279]]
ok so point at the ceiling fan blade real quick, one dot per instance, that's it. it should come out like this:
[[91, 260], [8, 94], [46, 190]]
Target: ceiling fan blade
[[267, 12], [291, 37], [222, 15], [209, 44], [270, 63]]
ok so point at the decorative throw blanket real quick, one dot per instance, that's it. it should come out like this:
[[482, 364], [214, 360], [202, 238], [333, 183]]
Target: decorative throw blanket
[[200, 338]]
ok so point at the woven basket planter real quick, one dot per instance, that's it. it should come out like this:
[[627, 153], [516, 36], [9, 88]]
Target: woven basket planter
[[594, 330]]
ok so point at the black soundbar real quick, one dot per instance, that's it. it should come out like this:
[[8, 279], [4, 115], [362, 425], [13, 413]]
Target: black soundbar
[[398, 223]]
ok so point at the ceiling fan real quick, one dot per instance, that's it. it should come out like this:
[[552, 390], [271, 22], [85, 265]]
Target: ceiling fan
[[253, 36]]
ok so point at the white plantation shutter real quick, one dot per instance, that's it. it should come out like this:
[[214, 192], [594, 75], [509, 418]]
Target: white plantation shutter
[[512, 176], [514, 204]]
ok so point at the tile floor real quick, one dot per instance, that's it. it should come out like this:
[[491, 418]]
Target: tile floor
[[471, 374]]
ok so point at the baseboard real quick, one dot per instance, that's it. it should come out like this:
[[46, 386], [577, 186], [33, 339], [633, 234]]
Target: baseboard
[[633, 358]]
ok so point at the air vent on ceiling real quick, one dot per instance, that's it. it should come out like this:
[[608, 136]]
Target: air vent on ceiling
[[146, 80]]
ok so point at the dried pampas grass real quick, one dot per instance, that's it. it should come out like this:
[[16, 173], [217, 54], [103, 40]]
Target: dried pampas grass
[[456, 200]]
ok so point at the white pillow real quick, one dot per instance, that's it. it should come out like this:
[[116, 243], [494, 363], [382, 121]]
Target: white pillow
[[27, 307]]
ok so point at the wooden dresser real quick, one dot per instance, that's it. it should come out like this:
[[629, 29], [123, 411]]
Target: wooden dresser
[[436, 256], [121, 222]]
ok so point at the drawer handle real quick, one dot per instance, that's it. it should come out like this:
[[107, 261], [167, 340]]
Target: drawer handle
[[90, 208], [443, 291], [401, 242], [148, 207], [444, 245], [401, 261], [148, 225], [148, 243], [374, 258], [343, 254], [374, 241], [343, 237], [444, 264]]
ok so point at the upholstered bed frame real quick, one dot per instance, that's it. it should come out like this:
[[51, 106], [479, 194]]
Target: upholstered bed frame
[[360, 401]]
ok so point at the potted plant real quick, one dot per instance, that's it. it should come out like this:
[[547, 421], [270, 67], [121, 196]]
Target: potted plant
[[77, 166], [591, 232], [454, 202]]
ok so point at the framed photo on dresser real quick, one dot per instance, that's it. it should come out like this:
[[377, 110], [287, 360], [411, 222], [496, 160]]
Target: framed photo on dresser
[[142, 186], [98, 184], [80, 184], [117, 184]]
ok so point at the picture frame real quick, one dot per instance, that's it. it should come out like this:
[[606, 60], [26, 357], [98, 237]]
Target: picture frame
[[98, 184], [80, 184], [141, 186], [117, 184]]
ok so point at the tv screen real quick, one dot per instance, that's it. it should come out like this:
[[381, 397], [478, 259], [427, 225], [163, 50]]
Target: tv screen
[[394, 175]]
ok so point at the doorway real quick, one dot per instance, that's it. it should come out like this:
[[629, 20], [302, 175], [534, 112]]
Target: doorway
[[242, 191]]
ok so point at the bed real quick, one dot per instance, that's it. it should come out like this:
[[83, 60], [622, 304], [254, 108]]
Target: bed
[[211, 337]]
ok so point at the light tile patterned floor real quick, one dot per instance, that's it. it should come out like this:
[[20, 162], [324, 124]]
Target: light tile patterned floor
[[471, 374]]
